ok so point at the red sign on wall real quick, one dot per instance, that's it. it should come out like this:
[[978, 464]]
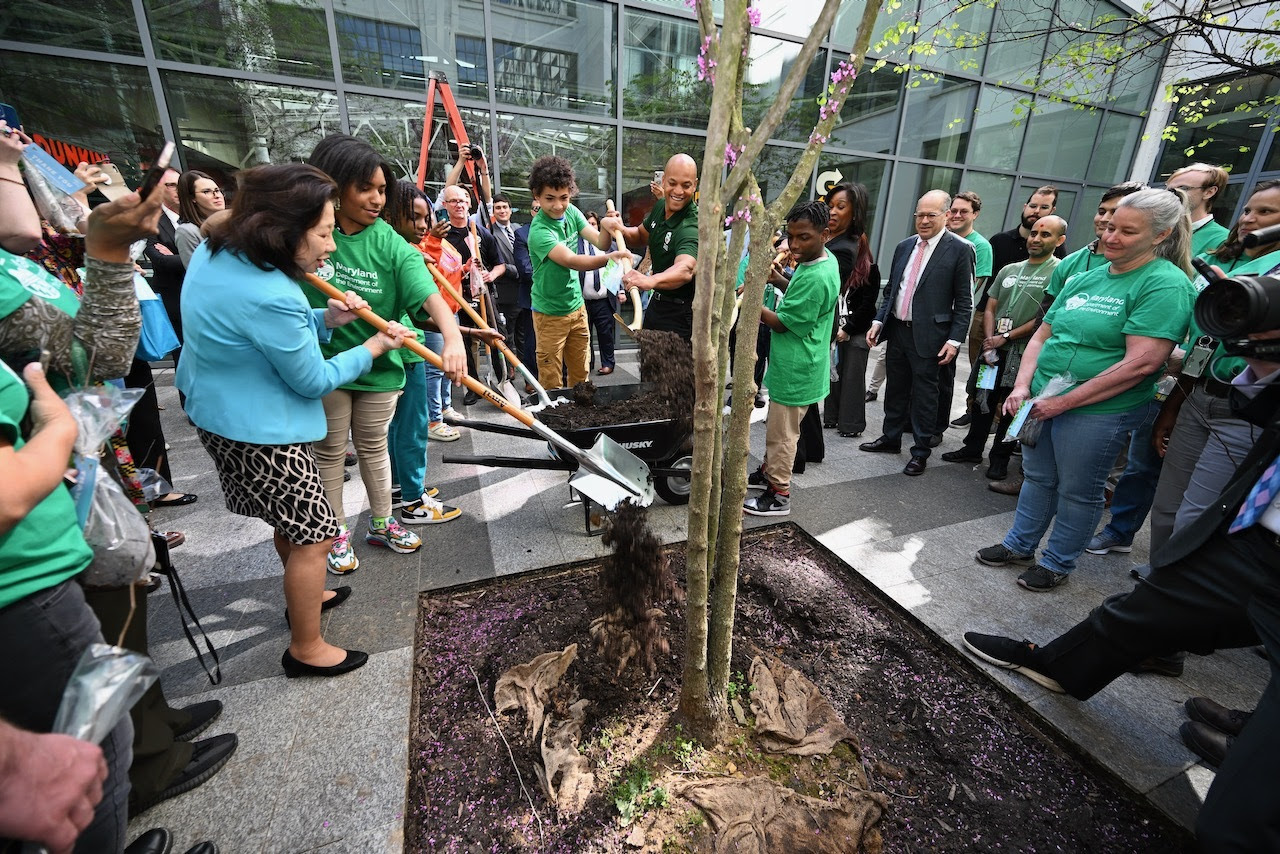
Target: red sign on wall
[[67, 154]]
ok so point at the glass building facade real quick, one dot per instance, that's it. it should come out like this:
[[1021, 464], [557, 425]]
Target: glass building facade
[[610, 84]]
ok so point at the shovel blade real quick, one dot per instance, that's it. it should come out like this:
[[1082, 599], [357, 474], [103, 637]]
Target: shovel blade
[[622, 467]]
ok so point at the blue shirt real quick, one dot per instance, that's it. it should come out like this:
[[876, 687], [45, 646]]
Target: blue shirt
[[251, 364]]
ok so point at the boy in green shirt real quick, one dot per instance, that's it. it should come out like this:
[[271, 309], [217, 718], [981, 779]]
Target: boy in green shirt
[[559, 315], [799, 372]]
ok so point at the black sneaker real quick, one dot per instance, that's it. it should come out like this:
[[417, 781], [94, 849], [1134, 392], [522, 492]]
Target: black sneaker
[[768, 503], [998, 470], [350, 459], [964, 455], [757, 479], [1040, 578], [202, 715], [963, 421], [1018, 656], [998, 555], [207, 759]]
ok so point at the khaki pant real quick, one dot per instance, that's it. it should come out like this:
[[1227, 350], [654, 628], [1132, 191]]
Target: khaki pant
[[781, 433], [365, 415], [562, 341]]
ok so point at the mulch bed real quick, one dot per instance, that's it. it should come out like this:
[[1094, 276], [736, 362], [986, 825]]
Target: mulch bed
[[964, 763]]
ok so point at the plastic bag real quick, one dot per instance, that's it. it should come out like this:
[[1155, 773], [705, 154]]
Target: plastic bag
[[157, 339], [1027, 429], [153, 485], [106, 683], [55, 206]]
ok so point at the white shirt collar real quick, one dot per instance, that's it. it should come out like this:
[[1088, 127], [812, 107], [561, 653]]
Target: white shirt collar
[[1195, 224]]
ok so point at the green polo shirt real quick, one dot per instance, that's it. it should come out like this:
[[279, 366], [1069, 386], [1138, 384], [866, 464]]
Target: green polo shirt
[[982, 254], [670, 237], [1018, 291], [556, 290]]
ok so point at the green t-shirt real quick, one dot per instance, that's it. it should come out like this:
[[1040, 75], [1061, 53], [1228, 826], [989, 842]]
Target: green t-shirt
[[21, 279], [1094, 313], [556, 290], [670, 238], [770, 292], [1224, 367], [1080, 261], [982, 254], [1208, 237], [1018, 291], [380, 266], [799, 371], [46, 547]]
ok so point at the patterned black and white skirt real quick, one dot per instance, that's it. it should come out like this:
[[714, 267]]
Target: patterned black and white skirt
[[279, 484]]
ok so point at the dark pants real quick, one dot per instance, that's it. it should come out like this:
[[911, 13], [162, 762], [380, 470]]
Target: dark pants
[[846, 405], [600, 319], [42, 636], [911, 389], [812, 446], [144, 434], [946, 388], [525, 344], [157, 758], [975, 441], [1225, 594], [667, 315]]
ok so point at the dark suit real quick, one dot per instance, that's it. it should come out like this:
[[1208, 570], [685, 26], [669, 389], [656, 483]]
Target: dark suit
[[169, 272], [940, 311], [1208, 590], [524, 343]]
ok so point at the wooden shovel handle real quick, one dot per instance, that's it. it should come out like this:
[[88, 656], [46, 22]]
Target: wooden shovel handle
[[449, 289], [379, 324], [626, 264]]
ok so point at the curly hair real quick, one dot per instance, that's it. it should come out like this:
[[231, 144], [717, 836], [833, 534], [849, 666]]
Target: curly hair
[[273, 210], [554, 172], [814, 212], [400, 198]]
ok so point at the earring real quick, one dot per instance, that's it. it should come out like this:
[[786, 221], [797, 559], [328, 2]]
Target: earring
[[337, 205]]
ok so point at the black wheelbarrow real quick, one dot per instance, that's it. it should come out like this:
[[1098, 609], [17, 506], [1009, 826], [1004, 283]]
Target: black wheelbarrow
[[662, 444]]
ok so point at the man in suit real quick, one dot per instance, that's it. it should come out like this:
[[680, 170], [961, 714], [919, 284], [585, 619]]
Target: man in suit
[[1213, 585], [924, 317], [162, 252], [524, 341]]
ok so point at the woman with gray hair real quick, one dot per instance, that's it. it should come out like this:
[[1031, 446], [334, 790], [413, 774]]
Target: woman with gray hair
[[1108, 334]]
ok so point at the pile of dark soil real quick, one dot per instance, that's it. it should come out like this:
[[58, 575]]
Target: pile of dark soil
[[666, 364], [965, 766]]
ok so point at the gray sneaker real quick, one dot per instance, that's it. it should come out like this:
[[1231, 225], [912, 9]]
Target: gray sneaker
[[768, 503], [1104, 543], [998, 555], [1039, 578]]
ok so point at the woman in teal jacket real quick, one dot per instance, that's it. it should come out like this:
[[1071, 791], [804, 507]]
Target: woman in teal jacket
[[254, 377]]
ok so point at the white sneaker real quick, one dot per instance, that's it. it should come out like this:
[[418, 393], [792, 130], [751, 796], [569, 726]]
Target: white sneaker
[[397, 501], [428, 511]]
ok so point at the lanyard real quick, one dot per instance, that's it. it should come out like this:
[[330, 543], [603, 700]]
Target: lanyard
[[1021, 280]]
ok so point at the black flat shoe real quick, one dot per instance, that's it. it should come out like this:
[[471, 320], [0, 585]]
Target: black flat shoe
[[182, 500], [154, 841], [341, 594], [881, 446], [294, 668]]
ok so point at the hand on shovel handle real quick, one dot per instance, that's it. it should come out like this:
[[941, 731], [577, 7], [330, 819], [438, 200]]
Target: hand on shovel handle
[[627, 265]]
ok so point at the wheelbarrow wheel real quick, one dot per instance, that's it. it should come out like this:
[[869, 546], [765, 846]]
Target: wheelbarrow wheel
[[675, 490]]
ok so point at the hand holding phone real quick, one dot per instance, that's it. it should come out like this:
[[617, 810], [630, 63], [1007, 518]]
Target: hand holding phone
[[157, 170], [114, 187]]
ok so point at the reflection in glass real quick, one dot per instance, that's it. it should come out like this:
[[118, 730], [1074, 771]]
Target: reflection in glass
[[882, 43], [249, 35], [557, 54], [104, 107], [835, 169], [1224, 136], [999, 124], [235, 124], [1116, 145], [1015, 49], [771, 62], [589, 147], [107, 25], [392, 45], [1063, 73], [939, 115], [994, 190], [958, 39], [1060, 138], [645, 152], [660, 72], [1137, 73], [773, 170], [869, 118]]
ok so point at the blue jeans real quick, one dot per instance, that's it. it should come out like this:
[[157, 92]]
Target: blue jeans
[[1065, 475], [1136, 489], [407, 435], [439, 392]]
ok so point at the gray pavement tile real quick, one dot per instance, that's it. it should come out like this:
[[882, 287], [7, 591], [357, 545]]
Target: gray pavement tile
[[1181, 797]]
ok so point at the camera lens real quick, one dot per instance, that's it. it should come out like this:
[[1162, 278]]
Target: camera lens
[[1232, 308]]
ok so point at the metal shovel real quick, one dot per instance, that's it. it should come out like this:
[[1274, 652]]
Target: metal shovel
[[608, 473]]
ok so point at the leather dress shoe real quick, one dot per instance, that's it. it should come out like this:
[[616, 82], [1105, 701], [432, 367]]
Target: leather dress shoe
[[340, 595], [294, 668], [1224, 720], [207, 759], [1006, 487], [202, 715], [869, 396], [155, 841], [181, 500], [914, 467], [470, 398], [205, 847], [881, 446], [1206, 742]]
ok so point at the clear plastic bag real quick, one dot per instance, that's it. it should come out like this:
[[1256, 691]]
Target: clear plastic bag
[[106, 683], [1027, 429], [153, 485], [56, 207]]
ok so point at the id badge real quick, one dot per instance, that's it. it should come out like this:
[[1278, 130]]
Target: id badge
[[1003, 325], [986, 376], [1197, 359]]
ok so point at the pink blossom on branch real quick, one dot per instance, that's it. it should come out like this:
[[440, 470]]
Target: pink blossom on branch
[[753, 15]]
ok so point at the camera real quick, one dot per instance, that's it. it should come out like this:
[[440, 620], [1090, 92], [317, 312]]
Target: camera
[[1230, 309]]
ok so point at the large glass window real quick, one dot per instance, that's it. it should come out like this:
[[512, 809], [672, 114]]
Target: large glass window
[[645, 152], [1116, 144], [957, 41], [1228, 132], [1017, 42], [837, 168], [250, 35], [589, 147], [393, 45], [556, 54], [1137, 73], [660, 72], [771, 62], [1062, 73], [105, 107], [107, 25], [1060, 138], [999, 125], [850, 16], [994, 189], [939, 116], [773, 171], [869, 118], [236, 124]]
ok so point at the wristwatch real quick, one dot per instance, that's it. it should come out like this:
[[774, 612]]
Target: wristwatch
[[1006, 335]]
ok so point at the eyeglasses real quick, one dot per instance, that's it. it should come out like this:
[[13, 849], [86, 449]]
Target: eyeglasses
[[455, 201], [1186, 189], [216, 191], [933, 215]]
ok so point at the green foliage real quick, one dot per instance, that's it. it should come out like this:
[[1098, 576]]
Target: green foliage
[[636, 794]]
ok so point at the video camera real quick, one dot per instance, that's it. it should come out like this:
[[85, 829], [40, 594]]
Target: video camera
[[1231, 308]]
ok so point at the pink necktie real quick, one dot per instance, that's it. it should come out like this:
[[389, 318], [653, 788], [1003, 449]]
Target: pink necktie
[[909, 284]]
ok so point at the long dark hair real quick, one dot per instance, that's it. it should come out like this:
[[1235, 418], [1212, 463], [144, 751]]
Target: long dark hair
[[348, 161], [400, 198], [188, 210], [857, 231], [274, 208], [1233, 248]]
